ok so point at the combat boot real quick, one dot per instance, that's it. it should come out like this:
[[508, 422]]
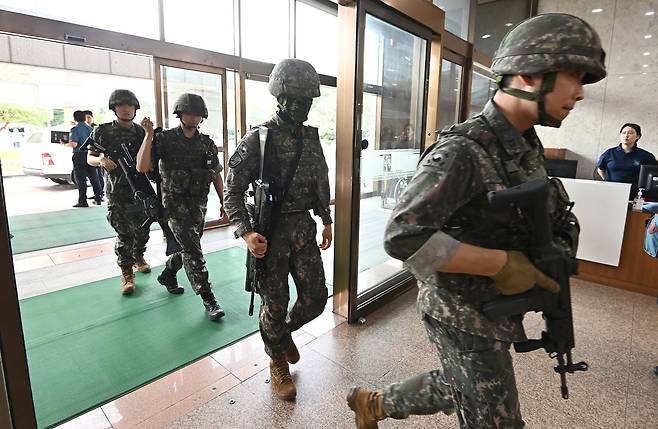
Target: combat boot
[[368, 407], [141, 265], [213, 310], [127, 280], [292, 354], [168, 279], [282, 382]]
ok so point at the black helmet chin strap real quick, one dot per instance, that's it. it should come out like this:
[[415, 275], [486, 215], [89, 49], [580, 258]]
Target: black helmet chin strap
[[131, 119], [547, 85]]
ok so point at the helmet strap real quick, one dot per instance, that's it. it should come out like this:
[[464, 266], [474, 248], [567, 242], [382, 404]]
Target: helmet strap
[[547, 85]]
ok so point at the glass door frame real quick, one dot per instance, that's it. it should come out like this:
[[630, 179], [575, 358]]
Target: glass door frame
[[159, 107], [424, 20], [12, 342]]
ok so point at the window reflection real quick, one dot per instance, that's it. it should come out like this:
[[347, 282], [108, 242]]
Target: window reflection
[[451, 76], [212, 28], [391, 123]]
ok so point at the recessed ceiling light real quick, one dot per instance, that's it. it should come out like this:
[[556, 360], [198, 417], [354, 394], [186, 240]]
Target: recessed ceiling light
[[646, 53], [648, 36], [455, 89], [621, 77], [486, 36], [597, 10], [644, 73], [509, 24], [651, 12], [645, 65]]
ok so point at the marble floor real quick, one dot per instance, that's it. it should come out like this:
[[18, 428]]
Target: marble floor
[[615, 334]]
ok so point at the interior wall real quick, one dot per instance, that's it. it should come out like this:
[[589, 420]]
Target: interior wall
[[629, 92]]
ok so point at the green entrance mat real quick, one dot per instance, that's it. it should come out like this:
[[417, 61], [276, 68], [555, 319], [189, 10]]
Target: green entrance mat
[[39, 231], [53, 229], [89, 344]]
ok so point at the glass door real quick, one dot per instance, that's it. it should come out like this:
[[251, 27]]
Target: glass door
[[173, 79], [392, 126]]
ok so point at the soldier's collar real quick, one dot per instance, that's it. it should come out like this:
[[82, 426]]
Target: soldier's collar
[[179, 131], [511, 139], [287, 126]]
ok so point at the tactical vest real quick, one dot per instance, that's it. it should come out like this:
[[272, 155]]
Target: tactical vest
[[504, 228], [111, 137], [187, 169]]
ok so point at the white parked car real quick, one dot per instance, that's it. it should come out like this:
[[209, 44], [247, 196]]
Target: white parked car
[[40, 157]]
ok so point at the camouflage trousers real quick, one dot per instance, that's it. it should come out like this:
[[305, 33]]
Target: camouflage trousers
[[127, 222], [292, 250], [188, 232], [477, 381]]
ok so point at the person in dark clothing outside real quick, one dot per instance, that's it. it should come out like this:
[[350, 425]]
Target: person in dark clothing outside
[[82, 170], [89, 120]]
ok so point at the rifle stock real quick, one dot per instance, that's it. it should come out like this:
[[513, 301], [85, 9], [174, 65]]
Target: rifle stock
[[558, 337]]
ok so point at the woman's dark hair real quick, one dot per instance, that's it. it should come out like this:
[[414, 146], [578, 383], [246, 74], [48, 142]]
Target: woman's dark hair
[[79, 116], [636, 127]]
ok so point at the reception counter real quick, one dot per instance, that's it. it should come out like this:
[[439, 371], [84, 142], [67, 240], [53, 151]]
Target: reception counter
[[637, 271], [611, 248]]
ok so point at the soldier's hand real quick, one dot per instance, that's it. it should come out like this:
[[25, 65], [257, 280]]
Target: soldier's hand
[[256, 243], [147, 125], [222, 212], [326, 237], [108, 164], [519, 275]]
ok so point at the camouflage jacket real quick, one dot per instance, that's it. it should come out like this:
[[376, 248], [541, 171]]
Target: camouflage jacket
[[187, 166], [111, 135], [309, 188], [445, 203]]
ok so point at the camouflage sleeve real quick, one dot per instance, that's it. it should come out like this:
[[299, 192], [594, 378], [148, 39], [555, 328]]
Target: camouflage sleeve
[[322, 191], [97, 136], [444, 181], [243, 170]]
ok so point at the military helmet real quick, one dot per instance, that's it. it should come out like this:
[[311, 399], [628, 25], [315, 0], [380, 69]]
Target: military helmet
[[294, 77], [123, 96], [549, 43], [192, 104]]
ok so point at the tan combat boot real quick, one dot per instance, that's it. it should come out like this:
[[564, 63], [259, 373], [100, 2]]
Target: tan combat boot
[[127, 280], [368, 407], [282, 382], [292, 354], [141, 265]]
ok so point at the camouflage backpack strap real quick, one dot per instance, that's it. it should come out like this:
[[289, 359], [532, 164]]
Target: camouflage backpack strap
[[509, 171]]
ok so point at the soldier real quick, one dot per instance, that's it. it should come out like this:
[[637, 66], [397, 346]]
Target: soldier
[[295, 167], [132, 233], [188, 162], [462, 251]]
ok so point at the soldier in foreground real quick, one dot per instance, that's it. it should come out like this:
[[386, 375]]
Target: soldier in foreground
[[132, 232], [464, 252], [295, 167], [188, 163]]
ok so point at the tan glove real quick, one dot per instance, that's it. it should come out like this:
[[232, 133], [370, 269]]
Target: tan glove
[[519, 275]]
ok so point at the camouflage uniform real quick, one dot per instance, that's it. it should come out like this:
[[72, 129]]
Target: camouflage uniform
[[445, 204], [125, 218], [292, 246], [187, 167]]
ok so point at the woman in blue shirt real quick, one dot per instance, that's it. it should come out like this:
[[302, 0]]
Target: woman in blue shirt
[[622, 163]]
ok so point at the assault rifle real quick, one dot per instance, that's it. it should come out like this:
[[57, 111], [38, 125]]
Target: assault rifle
[[261, 219], [146, 199], [558, 337]]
